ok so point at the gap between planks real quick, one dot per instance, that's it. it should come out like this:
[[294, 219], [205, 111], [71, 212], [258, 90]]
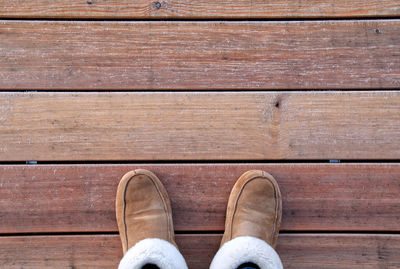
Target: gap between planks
[[202, 9]]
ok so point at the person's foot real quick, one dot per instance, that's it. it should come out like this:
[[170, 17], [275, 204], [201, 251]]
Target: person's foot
[[143, 209], [254, 208]]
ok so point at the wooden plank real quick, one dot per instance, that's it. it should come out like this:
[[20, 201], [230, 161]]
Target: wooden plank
[[200, 55], [125, 9], [199, 126], [81, 198], [299, 251]]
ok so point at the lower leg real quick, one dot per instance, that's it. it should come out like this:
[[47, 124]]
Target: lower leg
[[150, 266], [249, 265]]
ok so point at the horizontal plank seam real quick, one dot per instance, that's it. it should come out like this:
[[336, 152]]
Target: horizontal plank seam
[[162, 19], [380, 90], [150, 162], [370, 232]]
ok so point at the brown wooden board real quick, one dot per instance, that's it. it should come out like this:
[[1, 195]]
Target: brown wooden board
[[199, 126], [297, 251], [316, 197], [146, 9], [200, 55]]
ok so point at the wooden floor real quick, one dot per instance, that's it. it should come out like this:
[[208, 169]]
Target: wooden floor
[[200, 92]]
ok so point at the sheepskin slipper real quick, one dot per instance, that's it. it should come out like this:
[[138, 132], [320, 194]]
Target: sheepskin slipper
[[246, 249], [153, 251]]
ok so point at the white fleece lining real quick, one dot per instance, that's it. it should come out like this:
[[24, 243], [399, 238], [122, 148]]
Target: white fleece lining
[[246, 249], [155, 251]]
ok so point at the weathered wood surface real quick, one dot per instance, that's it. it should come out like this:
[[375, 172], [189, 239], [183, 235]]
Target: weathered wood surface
[[297, 251], [199, 126], [81, 198], [144, 9], [200, 55]]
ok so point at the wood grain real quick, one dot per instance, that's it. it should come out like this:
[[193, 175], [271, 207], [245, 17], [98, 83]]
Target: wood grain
[[316, 197], [299, 251], [144, 9], [199, 126], [184, 55]]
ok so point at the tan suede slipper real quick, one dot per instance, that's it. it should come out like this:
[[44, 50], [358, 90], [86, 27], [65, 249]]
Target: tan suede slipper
[[254, 208], [143, 209]]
